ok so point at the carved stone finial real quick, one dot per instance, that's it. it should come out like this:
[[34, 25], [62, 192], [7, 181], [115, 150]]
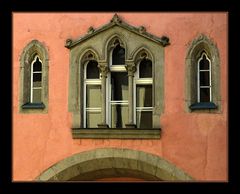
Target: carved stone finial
[[116, 19], [201, 37], [68, 43], [142, 29], [90, 30], [165, 40]]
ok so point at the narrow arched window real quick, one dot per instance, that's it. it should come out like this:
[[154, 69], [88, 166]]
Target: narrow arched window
[[34, 78], [92, 95], [144, 106], [118, 88], [36, 81], [118, 55], [204, 79]]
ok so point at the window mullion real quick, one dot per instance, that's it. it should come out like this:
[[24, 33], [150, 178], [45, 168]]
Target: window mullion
[[131, 68], [104, 69]]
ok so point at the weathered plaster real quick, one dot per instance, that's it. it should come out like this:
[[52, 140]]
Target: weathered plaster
[[45, 139]]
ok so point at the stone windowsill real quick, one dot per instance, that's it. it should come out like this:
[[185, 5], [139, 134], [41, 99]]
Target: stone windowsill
[[203, 105], [33, 106], [116, 133]]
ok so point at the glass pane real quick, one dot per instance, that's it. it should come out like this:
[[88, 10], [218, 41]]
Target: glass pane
[[93, 119], [204, 63], [37, 95], [37, 77], [144, 95], [94, 97], [118, 56], [204, 78], [37, 65], [92, 70], [204, 94], [145, 69], [144, 119], [119, 115], [37, 84], [119, 83]]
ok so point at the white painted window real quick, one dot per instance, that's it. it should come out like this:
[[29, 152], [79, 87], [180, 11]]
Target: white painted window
[[36, 81], [92, 95], [204, 79], [117, 89], [143, 95]]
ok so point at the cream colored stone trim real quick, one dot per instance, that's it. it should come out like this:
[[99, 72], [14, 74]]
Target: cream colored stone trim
[[113, 162]]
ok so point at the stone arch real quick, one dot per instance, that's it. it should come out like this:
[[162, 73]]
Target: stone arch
[[110, 45], [113, 162], [137, 55], [32, 49], [202, 42], [87, 55]]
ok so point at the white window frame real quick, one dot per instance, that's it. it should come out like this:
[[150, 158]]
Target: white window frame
[[89, 82], [210, 77], [116, 68], [140, 81], [109, 102], [31, 87]]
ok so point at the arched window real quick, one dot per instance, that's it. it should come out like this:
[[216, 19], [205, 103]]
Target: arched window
[[36, 81], [118, 88], [34, 78], [203, 76], [92, 70], [145, 69], [118, 55], [92, 95], [144, 106], [204, 79]]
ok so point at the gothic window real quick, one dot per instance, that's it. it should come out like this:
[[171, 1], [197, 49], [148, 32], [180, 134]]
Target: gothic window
[[144, 104], [36, 81], [202, 79], [92, 95], [117, 88], [118, 55], [116, 82], [34, 78]]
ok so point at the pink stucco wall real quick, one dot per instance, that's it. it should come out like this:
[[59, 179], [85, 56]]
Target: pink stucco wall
[[197, 143]]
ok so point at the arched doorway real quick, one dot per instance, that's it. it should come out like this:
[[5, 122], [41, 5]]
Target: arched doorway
[[115, 163]]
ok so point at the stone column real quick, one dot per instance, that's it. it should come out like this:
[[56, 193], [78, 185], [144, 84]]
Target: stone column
[[104, 71], [131, 68]]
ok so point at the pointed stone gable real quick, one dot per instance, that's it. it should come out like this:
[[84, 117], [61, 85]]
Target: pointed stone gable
[[116, 21]]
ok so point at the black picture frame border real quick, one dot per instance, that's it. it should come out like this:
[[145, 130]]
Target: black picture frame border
[[6, 9]]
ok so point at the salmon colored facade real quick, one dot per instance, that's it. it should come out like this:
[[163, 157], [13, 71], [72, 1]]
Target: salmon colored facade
[[195, 142]]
